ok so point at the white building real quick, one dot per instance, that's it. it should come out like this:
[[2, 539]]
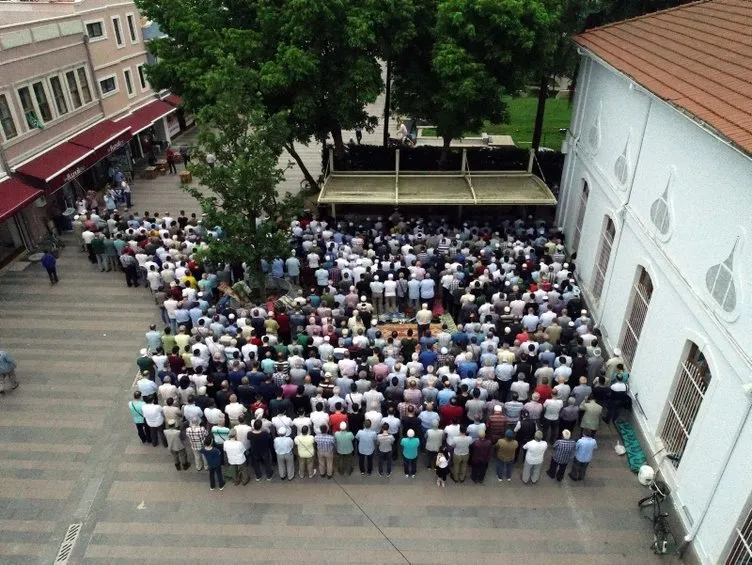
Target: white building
[[656, 200]]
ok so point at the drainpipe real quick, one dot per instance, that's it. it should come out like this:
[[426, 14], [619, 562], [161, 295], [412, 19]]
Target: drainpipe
[[690, 537], [94, 87]]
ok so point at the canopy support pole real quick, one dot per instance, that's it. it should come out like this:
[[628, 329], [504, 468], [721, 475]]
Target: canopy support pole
[[396, 176]]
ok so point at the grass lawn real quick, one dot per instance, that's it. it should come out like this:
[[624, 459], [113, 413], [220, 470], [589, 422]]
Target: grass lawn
[[522, 120]]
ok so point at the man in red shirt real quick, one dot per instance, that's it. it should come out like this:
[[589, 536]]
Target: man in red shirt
[[544, 390], [450, 412], [337, 417], [284, 329]]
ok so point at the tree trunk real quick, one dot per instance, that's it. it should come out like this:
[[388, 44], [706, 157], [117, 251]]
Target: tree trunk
[[339, 146], [541, 112], [387, 99], [444, 160], [303, 169]]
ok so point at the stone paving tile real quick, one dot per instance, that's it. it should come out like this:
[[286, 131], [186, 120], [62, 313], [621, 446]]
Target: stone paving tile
[[69, 453]]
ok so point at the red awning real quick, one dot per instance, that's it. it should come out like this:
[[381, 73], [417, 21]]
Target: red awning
[[14, 195], [173, 99], [59, 165], [142, 118], [107, 135]]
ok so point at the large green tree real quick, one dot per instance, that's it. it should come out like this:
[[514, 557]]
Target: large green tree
[[311, 61], [466, 56], [239, 193]]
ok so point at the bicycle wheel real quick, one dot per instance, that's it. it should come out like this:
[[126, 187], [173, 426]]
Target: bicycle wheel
[[646, 502], [660, 535]]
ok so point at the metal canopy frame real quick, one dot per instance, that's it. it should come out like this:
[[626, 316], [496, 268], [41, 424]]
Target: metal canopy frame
[[435, 187]]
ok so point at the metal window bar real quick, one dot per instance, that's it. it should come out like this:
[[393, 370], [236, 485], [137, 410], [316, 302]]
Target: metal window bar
[[641, 293], [580, 218], [604, 254], [685, 404], [741, 551]]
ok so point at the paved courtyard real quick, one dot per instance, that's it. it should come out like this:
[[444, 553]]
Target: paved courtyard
[[69, 454]]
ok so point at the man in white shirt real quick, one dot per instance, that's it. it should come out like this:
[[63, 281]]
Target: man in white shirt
[[377, 295], [374, 416], [390, 294], [235, 451], [154, 417], [234, 410], [521, 387], [167, 390], [319, 418], [214, 415], [535, 449]]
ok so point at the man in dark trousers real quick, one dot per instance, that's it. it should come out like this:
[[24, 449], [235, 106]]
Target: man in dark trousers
[[49, 262]]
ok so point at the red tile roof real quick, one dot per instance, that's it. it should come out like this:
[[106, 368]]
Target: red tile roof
[[697, 57]]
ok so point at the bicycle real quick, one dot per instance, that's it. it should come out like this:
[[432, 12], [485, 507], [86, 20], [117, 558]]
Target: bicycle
[[659, 492], [50, 242]]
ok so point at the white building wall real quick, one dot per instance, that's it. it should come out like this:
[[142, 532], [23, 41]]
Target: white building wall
[[709, 198]]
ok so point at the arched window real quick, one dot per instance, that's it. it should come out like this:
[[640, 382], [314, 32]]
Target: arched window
[[584, 194], [608, 233], [689, 391], [642, 291]]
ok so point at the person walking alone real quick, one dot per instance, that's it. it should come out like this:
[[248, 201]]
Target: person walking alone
[[49, 262], [7, 372]]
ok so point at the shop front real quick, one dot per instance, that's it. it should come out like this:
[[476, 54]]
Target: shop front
[[69, 170], [16, 233], [182, 119], [149, 129]]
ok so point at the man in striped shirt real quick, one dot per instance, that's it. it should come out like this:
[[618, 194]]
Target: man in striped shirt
[[563, 453], [325, 447], [196, 435]]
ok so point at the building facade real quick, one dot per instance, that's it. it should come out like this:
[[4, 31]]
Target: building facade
[[655, 203], [74, 102]]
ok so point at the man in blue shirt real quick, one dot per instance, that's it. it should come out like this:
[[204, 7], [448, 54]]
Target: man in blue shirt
[[278, 268], [49, 262], [428, 357], [583, 455]]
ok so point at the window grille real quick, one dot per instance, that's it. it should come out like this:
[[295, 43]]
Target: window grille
[[604, 254], [642, 290], [584, 193], [684, 405]]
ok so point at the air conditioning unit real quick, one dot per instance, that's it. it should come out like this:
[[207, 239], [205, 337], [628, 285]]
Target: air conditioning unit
[[40, 202]]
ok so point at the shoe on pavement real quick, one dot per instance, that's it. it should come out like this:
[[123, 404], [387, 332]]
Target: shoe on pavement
[[407, 476], [222, 487]]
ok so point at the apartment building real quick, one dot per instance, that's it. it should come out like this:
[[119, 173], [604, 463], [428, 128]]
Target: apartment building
[[74, 101]]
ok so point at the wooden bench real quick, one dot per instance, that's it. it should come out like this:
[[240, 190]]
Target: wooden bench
[[149, 173]]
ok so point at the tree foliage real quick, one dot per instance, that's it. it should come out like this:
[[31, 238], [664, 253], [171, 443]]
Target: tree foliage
[[242, 198], [466, 56], [312, 61]]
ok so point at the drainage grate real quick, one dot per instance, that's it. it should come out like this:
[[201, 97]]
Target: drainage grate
[[66, 548]]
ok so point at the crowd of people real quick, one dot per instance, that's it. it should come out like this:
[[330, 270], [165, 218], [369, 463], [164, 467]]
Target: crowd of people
[[452, 347]]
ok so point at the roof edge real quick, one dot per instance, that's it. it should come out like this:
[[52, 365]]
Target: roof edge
[[671, 104], [643, 16]]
